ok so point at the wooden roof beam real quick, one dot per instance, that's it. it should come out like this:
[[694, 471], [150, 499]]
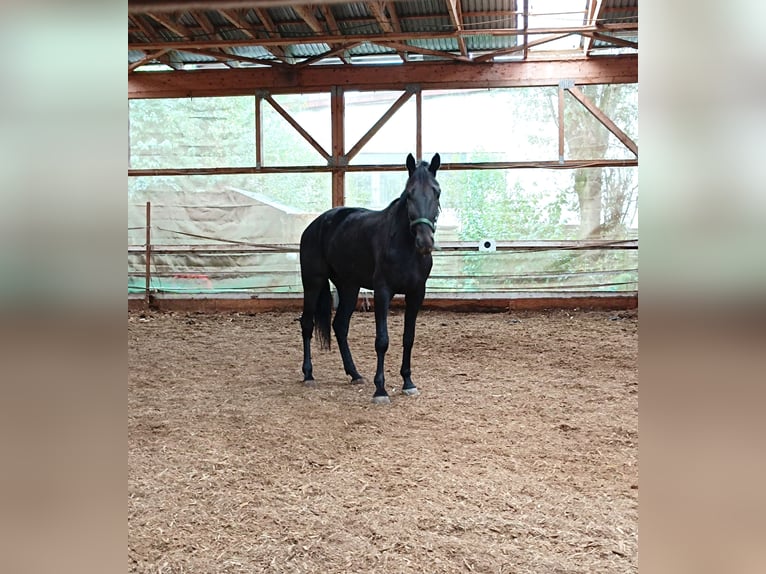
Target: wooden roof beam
[[332, 25], [176, 27], [329, 17], [397, 26], [407, 48], [594, 16], [145, 28], [307, 15], [395, 37], [428, 75], [610, 39], [239, 21], [211, 31], [336, 51], [526, 30], [378, 9], [273, 32], [227, 56], [244, 26], [205, 23], [147, 58], [521, 47], [456, 17]]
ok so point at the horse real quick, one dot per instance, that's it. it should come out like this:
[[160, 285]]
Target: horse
[[387, 251]]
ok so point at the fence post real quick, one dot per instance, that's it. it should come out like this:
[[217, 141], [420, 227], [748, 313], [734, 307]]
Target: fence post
[[148, 255]]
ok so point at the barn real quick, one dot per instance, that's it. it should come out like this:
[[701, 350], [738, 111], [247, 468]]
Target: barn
[[248, 119]]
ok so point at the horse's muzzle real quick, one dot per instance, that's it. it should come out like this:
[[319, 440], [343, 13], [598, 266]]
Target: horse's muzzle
[[424, 241]]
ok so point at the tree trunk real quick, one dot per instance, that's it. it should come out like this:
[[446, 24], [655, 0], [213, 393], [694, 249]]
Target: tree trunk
[[588, 185]]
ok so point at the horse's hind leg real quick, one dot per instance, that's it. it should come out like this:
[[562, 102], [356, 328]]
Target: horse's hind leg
[[310, 297], [347, 297]]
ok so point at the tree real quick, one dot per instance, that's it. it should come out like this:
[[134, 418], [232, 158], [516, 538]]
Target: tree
[[604, 196]]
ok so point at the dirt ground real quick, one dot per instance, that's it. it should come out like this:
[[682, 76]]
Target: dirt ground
[[520, 455]]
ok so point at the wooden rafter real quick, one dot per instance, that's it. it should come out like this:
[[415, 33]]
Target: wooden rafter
[[332, 24], [307, 15], [272, 32], [594, 15], [244, 26], [176, 27], [610, 39], [239, 22], [395, 24], [277, 40], [522, 47], [338, 50], [525, 38], [378, 10], [145, 28], [205, 23], [147, 58], [408, 48], [211, 31], [456, 17], [228, 56]]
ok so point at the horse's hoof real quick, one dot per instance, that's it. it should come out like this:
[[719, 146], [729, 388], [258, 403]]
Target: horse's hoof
[[411, 392], [359, 381], [381, 400], [312, 384]]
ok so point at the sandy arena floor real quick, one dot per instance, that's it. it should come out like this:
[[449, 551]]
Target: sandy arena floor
[[520, 455]]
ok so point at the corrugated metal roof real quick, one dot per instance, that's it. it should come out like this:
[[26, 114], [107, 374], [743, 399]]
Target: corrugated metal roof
[[252, 52], [369, 49], [620, 11], [419, 20], [307, 50]]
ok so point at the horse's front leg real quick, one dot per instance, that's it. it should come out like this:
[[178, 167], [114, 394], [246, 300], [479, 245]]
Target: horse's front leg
[[413, 302], [382, 302]]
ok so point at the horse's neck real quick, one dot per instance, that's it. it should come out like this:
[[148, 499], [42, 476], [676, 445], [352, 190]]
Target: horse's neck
[[398, 217]]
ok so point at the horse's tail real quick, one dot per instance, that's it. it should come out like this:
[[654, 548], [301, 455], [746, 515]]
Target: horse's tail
[[322, 316]]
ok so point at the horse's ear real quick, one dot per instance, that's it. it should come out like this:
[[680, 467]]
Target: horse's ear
[[410, 163], [436, 161]]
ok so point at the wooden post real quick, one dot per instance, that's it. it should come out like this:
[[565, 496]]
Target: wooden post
[[148, 254], [419, 124], [562, 84], [337, 109], [258, 131]]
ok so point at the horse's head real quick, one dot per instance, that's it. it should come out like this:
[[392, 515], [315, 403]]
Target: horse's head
[[422, 194]]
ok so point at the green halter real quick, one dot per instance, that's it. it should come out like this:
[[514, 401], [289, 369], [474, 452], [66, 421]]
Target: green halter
[[425, 220]]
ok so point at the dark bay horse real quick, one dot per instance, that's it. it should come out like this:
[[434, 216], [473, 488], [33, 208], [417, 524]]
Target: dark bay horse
[[388, 251]]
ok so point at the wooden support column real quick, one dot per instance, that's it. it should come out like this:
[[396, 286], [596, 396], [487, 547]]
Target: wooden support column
[[258, 131], [148, 253], [419, 124], [338, 159], [562, 84]]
